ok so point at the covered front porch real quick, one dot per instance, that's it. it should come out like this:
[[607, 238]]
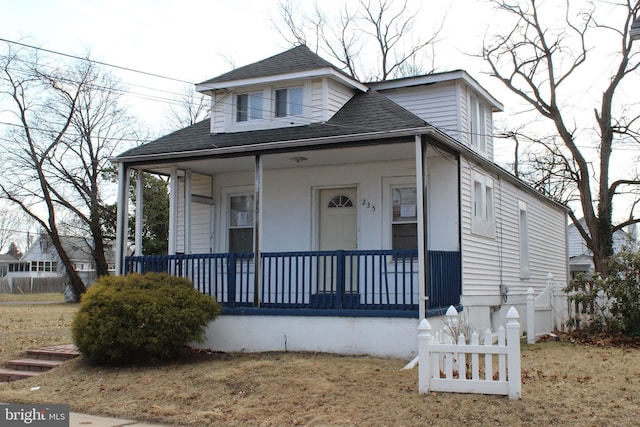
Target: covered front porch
[[356, 229]]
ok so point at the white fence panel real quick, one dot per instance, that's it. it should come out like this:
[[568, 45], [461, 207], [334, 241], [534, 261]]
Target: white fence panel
[[443, 365]]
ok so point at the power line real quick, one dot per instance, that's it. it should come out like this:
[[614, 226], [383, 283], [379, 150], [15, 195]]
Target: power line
[[94, 62]]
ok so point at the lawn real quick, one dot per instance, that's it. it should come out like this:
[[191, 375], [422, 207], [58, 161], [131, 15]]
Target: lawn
[[563, 384]]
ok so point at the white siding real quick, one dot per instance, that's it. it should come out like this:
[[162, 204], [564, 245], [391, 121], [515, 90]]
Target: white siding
[[318, 102], [338, 95], [437, 104], [201, 215], [491, 261], [218, 112]]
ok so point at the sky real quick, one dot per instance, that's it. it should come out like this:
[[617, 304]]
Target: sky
[[194, 40]]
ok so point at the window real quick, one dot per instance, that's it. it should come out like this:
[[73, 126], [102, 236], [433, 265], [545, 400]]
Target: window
[[404, 219], [288, 102], [477, 124], [482, 202], [524, 241], [241, 224], [248, 106]]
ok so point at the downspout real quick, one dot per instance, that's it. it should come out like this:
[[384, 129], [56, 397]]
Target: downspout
[[257, 220], [422, 209], [121, 217]]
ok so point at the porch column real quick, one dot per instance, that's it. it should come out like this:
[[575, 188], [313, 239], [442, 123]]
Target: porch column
[[423, 253], [173, 210], [187, 211], [122, 217], [257, 220], [139, 211]]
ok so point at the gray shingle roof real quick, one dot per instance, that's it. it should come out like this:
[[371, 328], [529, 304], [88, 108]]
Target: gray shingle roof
[[298, 59], [363, 113]]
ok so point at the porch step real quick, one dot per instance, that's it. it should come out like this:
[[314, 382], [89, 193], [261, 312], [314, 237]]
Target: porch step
[[35, 365], [8, 375], [37, 361], [56, 352]]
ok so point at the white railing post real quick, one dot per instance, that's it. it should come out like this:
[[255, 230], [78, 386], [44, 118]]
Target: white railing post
[[425, 339], [531, 317], [513, 354]]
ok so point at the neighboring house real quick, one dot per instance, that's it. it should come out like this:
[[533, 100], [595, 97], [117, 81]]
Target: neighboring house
[[41, 260], [5, 261], [581, 257], [369, 207]]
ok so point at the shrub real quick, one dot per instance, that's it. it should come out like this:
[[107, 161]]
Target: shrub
[[623, 287], [609, 305], [140, 318]]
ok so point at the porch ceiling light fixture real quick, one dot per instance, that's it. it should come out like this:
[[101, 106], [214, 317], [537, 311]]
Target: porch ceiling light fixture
[[299, 159]]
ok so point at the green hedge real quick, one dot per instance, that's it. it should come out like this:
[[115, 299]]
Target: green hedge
[[139, 318]]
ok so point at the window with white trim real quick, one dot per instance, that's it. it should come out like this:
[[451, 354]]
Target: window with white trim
[[482, 206], [288, 101], [240, 223], [249, 106], [524, 240], [477, 124], [404, 218]]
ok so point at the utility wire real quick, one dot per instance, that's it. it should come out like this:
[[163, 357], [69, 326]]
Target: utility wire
[[94, 62]]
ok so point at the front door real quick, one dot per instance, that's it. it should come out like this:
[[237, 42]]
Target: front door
[[338, 230]]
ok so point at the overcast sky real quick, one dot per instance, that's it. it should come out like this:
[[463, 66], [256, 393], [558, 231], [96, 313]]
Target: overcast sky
[[194, 40]]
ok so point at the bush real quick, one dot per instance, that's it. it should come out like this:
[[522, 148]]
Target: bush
[[623, 287], [140, 318], [609, 305]]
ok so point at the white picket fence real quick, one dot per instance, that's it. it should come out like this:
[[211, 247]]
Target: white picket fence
[[469, 368], [547, 311]]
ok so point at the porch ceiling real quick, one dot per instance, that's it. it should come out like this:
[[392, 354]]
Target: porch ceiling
[[306, 158]]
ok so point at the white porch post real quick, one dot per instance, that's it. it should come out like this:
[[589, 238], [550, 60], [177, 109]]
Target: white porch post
[[421, 194], [173, 211], [122, 217], [187, 212], [257, 221], [139, 211]]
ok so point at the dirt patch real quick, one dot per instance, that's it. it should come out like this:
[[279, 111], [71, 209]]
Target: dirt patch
[[564, 383]]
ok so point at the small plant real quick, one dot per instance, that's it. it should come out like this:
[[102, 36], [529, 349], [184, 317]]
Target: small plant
[[138, 318]]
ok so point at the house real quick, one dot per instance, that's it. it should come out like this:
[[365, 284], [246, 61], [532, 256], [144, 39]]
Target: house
[[368, 206], [5, 261], [581, 257], [41, 265]]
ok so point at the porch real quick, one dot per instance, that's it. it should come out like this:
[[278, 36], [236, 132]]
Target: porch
[[354, 283]]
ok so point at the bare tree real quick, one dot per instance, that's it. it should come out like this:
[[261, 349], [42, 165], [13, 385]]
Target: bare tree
[[189, 108], [345, 36], [66, 124], [540, 62]]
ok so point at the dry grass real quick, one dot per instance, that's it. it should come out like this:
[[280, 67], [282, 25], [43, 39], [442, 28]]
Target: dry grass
[[563, 384], [31, 297]]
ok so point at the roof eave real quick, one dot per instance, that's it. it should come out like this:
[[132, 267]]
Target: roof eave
[[316, 72]]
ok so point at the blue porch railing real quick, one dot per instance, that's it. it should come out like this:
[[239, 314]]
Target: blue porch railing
[[376, 282]]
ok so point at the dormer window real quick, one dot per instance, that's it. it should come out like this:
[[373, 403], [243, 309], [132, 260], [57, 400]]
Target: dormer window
[[248, 106], [288, 102]]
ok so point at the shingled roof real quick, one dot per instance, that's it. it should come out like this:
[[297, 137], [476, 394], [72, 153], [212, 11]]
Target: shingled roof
[[297, 59], [364, 113]]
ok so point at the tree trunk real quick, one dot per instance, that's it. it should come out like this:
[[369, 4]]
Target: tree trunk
[[74, 278]]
